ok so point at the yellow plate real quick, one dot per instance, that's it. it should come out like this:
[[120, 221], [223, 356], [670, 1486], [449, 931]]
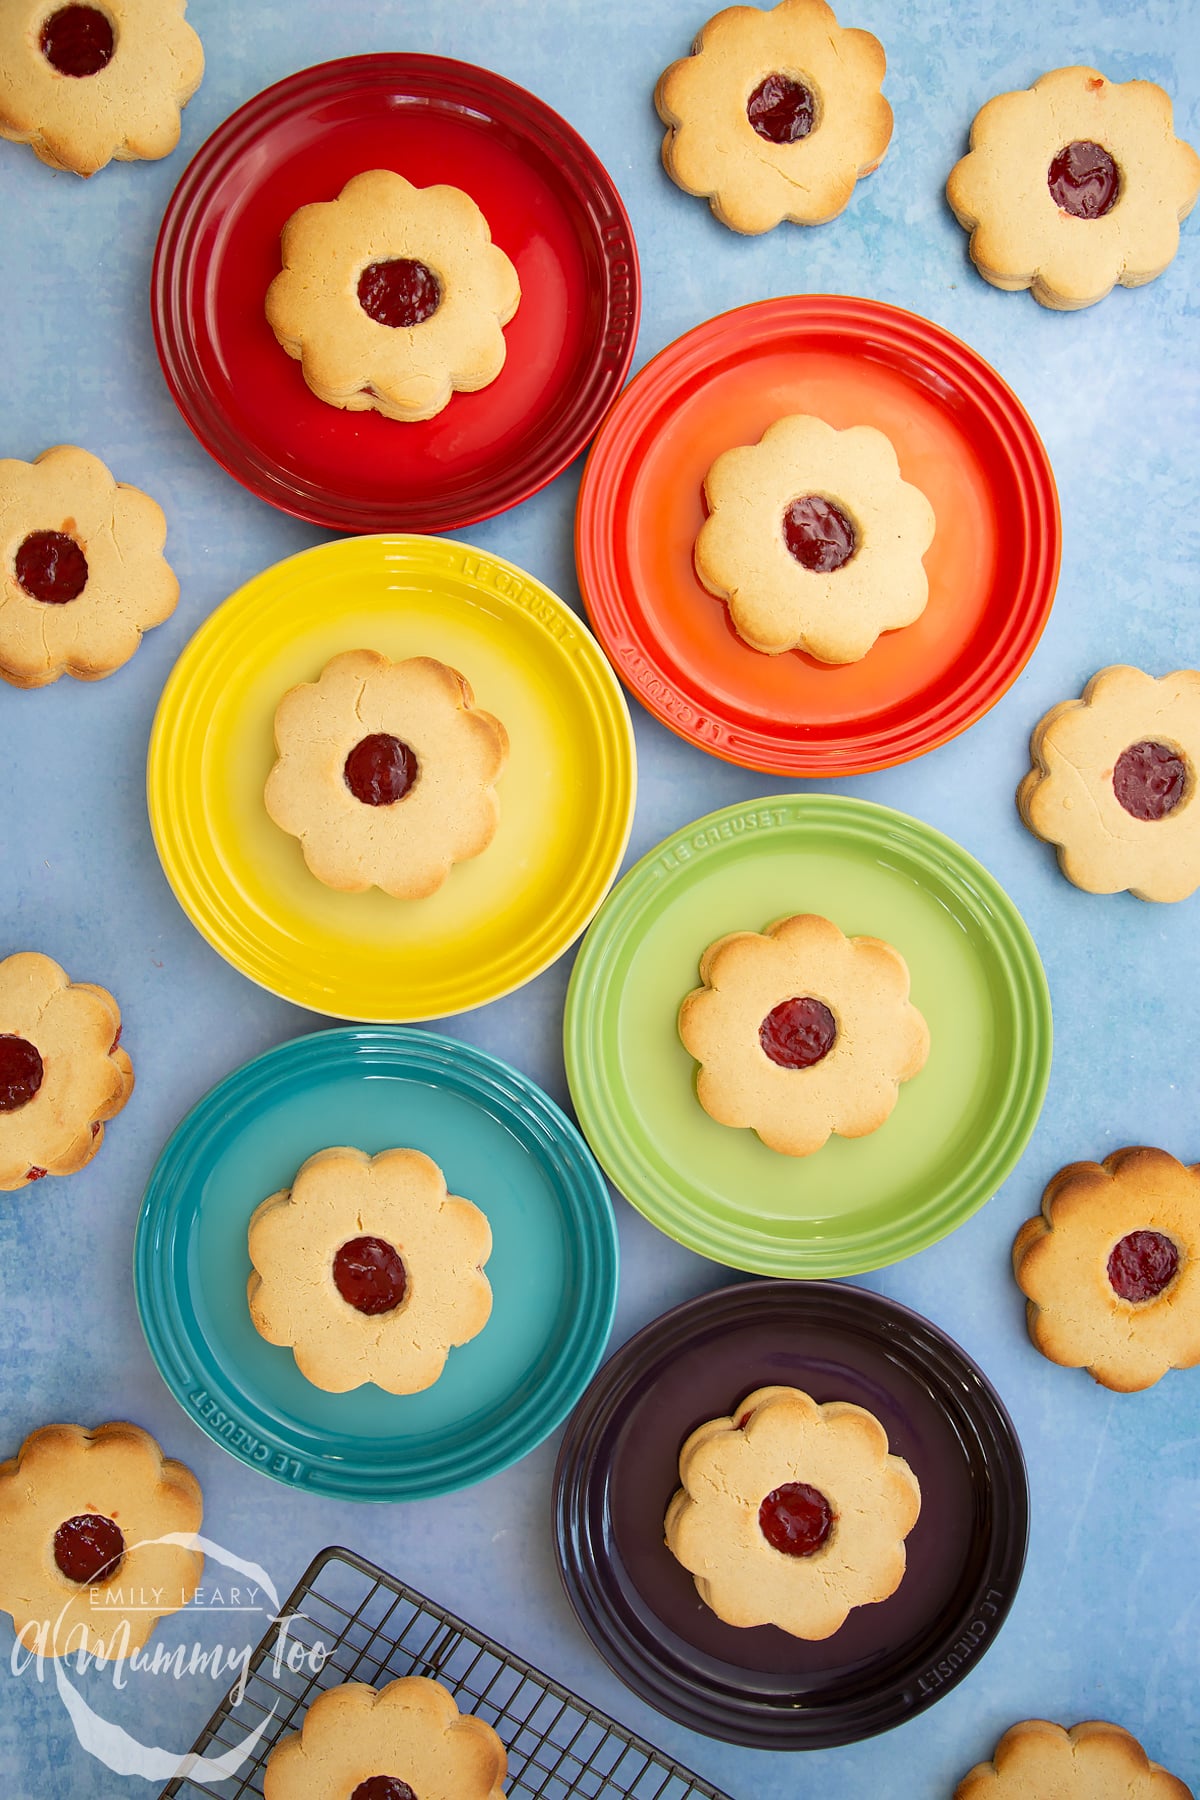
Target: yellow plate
[[566, 795]]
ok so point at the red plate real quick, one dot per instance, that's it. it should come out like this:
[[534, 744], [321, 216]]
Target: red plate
[[961, 435], [550, 205]]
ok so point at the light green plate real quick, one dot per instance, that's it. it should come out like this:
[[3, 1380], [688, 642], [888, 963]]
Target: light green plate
[[958, 1127]]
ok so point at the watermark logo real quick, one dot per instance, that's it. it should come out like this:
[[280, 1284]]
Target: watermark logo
[[99, 1637]]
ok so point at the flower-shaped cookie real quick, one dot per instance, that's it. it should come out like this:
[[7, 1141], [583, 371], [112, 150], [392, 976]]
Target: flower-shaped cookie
[[1073, 185], [82, 573], [813, 540], [1111, 1268], [386, 773], [369, 1270], [1036, 1760], [800, 1031], [393, 297], [82, 84], [87, 1519], [1113, 784], [406, 1739], [791, 1513], [775, 115], [62, 1071]]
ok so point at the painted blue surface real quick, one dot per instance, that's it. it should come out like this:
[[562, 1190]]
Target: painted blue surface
[[1107, 1620]]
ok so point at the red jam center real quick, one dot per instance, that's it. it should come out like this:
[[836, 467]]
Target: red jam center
[[77, 40], [383, 1787], [781, 110], [1142, 1265], [88, 1548], [1149, 779], [399, 292], [1083, 180], [795, 1518], [50, 566], [380, 769], [818, 534], [369, 1275], [798, 1033], [20, 1072]]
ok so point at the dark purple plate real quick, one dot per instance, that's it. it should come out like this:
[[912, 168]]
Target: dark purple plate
[[618, 1468]]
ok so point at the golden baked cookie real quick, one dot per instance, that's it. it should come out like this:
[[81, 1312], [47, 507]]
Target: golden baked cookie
[[386, 773], [369, 1270], [813, 540], [1110, 1268], [405, 1741], [393, 297], [83, 84], [82, 1518], [800, 1031], [1036, 1760], [62, 1069], [791, 1513], [82, 573], [775, 115], [1113, 784], [1073, 185]]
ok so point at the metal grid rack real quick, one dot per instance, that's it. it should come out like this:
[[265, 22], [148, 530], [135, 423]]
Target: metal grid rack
[[374, 1629]]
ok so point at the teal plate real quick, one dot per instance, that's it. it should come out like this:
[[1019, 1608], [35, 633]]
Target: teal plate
[[500, 1141], [958, 1127]]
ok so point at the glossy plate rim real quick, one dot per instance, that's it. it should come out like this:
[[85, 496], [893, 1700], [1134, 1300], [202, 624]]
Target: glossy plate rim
[[187, 863], [165, 1213], [756, 1720], [646, 668], [187, 215], [996, 1152]]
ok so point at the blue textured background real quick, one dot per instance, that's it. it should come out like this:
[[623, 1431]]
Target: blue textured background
[[1108, 1617]]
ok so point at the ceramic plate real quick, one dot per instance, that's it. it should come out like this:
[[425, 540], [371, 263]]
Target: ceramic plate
[[958, 1127], [961, 435], [500, 1142], [551, 207], [618, 1467], [499, 919]]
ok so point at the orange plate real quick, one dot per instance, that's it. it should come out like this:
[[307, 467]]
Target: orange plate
[[961, 435]]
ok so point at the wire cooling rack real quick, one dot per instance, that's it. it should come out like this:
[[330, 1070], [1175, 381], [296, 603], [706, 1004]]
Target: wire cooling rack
[[374, 1628]]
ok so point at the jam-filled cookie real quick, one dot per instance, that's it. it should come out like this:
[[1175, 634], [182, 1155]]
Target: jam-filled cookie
[[775, 115], [1073, 185], [83, 84], [405, 1741], [813, 540], [82, 573], [393, 297], [1110, 1268], [1094, 1761], [1113, 784], [84, 1516], [386, 773], [369, 1270], [63, 1072], [800, 1031], [790, 1513]]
